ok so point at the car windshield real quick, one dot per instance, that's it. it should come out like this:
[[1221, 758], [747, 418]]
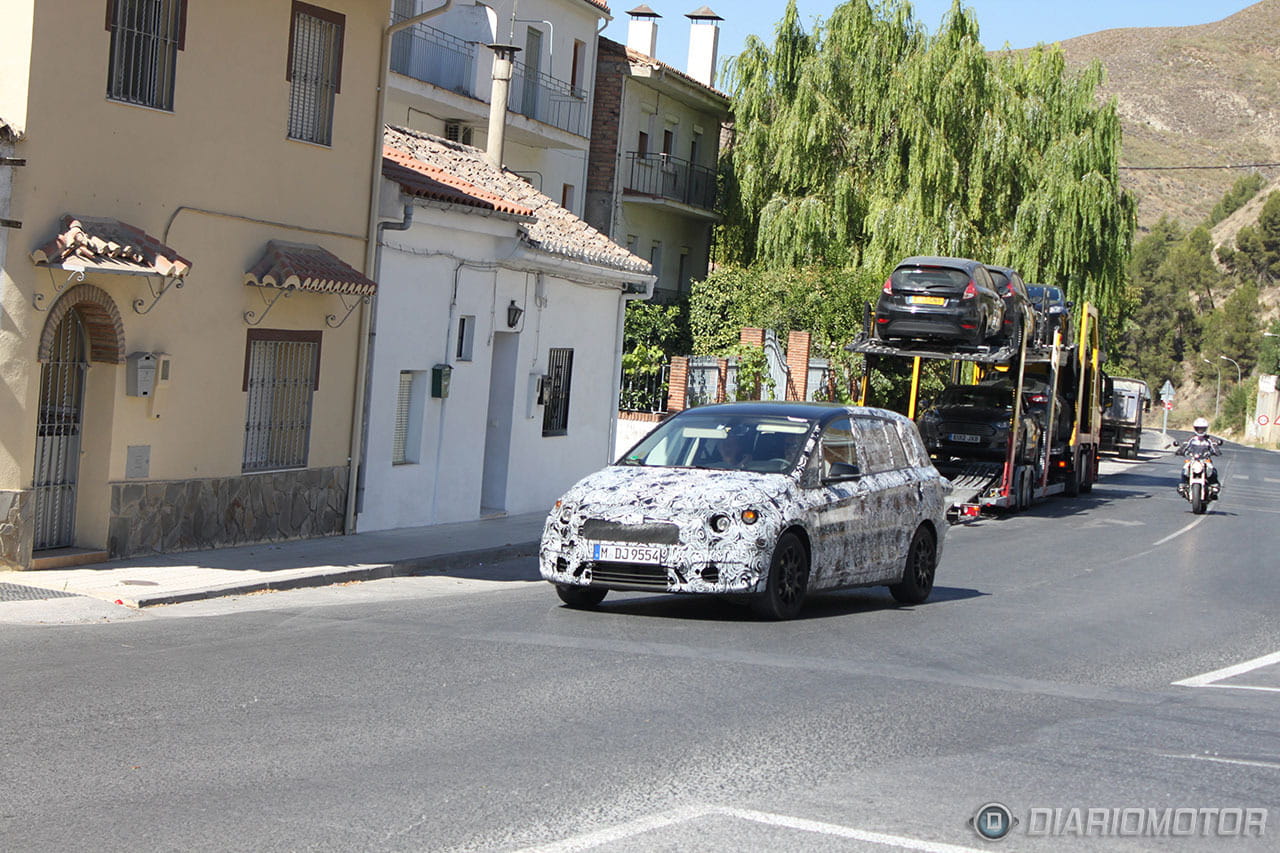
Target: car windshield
[[985, 396], [767, 444]]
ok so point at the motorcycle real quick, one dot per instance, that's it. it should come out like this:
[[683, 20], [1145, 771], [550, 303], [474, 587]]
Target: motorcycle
[[1198, 471]]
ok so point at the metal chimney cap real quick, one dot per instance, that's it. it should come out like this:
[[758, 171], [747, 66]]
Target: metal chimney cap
[[643, 11], [501, 49], [704, 14]]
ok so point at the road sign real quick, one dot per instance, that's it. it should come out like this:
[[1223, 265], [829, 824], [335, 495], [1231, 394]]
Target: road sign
[[1168, 405], [1166, 390]]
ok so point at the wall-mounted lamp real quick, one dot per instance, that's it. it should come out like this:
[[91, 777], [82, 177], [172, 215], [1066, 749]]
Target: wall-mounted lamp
[[514, 312]]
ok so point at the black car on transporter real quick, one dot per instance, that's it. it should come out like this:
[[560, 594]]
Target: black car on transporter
[[976, 421], [1017, 303], [933, 298]]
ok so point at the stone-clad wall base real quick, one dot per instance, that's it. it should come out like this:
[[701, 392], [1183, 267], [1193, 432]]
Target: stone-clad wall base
[[194, 515], [16, 511]]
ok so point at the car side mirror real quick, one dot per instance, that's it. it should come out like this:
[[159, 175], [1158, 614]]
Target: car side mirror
[[841, 471]]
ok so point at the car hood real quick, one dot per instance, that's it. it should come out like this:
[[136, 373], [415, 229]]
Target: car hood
[[639, 493]]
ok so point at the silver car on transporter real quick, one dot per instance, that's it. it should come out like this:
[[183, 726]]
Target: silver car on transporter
[[770, 500]]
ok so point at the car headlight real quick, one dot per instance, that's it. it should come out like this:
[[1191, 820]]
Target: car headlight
[[749, 516], [719, 523], [563, 511]]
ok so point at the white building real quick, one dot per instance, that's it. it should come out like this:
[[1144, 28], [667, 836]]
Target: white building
[[655, 142], [441, 82], [498, 338]]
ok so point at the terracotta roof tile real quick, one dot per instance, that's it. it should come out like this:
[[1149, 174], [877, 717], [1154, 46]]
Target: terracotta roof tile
[[307, 267], [637, 56], [553, 229], [109, 245], [427, 181], [600, 4]]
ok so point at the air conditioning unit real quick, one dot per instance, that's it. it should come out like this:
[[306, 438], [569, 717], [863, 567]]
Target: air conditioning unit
[[456, 131]]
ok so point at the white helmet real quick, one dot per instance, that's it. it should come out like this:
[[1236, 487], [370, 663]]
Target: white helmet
[[1201, 426]]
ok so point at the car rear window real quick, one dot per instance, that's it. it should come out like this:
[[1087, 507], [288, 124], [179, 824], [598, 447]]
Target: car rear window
[[929, 278]]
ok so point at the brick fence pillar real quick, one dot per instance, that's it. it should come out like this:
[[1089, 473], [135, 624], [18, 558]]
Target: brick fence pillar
[[722, 379], [797, 365], [678, 384], [751, 337]]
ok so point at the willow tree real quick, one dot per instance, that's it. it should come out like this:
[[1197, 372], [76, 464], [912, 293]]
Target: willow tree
[[869, 139]]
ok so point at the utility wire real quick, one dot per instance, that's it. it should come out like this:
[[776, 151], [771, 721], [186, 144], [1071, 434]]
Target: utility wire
[[1171, 168]]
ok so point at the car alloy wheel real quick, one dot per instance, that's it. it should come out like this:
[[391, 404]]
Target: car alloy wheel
[[917, 575], [787, 582]]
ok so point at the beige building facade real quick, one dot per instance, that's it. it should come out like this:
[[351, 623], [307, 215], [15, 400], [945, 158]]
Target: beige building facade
[[182, 272]]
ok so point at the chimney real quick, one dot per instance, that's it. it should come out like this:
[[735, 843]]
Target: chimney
[[503, 54], [704, 42], [642, 32]]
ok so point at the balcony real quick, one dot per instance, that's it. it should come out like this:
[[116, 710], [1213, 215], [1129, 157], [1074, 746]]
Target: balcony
[[444, 60], [544, 98], [433, 56], [664, 176]]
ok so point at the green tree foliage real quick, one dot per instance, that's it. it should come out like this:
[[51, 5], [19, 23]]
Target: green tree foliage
[[1269, 350], [1233, 330], [1257, 249], [868, 140], [1245, 188]]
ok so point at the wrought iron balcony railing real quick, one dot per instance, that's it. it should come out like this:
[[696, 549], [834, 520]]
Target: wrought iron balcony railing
[[433, 56], [547, 99], [664, 176]]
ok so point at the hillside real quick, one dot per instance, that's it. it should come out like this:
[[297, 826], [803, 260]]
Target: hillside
[[1202, 95]]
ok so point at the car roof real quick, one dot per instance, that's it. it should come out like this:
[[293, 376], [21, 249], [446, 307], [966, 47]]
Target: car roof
[[1009, 271], [810, 410], [938, 261]]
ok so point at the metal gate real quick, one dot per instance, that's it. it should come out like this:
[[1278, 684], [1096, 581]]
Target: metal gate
[[58, 435]]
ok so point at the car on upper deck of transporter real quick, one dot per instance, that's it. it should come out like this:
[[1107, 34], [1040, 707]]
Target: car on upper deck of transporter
[[948, 299], [763, 500]]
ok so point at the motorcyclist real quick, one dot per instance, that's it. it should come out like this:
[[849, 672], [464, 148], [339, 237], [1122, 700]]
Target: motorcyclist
[[1201, 444]]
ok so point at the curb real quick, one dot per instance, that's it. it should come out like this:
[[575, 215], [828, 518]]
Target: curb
[[401, 568]]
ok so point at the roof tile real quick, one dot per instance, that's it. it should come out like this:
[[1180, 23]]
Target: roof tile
[[427, 181], [304, 266], [552, 228], [109, 245]]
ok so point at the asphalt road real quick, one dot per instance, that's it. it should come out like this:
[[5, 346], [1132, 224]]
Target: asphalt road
[[404, 715]]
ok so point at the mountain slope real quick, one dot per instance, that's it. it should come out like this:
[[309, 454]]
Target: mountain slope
[[1201, 95]]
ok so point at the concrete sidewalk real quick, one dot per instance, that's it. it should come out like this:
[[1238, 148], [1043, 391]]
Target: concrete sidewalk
[[193, 575]]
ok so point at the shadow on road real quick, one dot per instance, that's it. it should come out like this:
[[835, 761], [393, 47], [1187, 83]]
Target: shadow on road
[[820, 605]]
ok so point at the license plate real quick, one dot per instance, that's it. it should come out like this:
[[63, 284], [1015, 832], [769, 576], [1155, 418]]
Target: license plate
[[967, 439], [926, 300], [622, 552]]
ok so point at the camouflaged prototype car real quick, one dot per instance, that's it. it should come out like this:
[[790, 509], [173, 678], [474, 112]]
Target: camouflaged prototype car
[[769, 500]]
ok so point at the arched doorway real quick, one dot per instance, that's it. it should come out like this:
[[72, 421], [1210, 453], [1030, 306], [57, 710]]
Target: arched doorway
[[58, 427], [83, 326]]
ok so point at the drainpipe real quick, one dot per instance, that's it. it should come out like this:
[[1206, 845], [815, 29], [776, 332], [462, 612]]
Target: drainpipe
[[370, 260], [403, 225]]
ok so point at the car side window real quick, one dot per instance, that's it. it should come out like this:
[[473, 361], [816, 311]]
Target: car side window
[[917, 455], [837, 444], [884, 451]]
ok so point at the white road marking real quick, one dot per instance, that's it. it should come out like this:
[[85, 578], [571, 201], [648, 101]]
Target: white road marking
[[1239, 476], [682, 815], [1178, 533], [1271, 479], [1269, 764], [1208, 678]]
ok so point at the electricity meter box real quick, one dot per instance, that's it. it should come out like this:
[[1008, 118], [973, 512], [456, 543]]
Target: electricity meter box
[[440, 375]]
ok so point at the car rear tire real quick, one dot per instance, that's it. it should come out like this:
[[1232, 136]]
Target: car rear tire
[[787, 582], [917, 574], [581, 597]]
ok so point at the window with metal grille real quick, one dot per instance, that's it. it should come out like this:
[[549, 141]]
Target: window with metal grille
[[282, 369], [404, 406], [555, 414], [146, 36], [314, 72]]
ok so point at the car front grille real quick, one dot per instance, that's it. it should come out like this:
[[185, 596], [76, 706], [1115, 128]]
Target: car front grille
[[650, 533], [635, 575]]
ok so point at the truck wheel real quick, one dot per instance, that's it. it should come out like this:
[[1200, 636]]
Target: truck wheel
[[1088, 471], [1072, 487]]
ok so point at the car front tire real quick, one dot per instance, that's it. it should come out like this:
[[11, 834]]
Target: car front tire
[[787, 581], [917, 575]]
